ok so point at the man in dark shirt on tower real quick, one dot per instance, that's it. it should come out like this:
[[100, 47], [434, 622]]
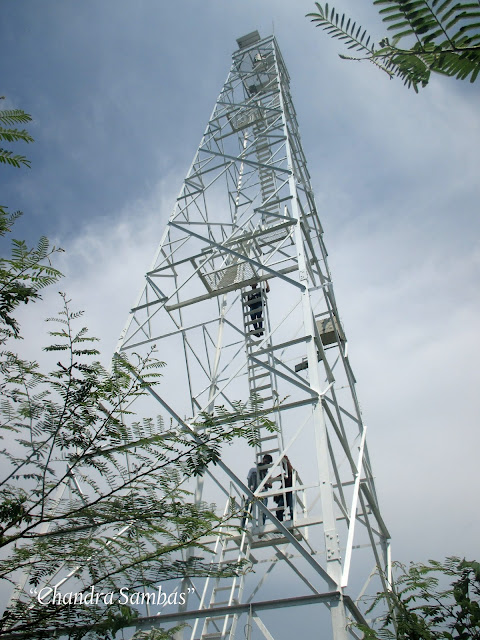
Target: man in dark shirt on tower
[[255, 302]]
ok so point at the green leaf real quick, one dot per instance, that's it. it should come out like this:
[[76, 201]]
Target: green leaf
[[13, 135], [14, 116], [7, 157]]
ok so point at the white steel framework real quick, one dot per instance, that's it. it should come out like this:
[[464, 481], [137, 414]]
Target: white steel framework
[[244, 222]]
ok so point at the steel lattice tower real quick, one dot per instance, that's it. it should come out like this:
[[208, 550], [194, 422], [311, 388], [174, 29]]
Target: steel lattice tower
[[246, 216]]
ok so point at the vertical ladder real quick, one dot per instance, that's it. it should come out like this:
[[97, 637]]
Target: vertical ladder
[[261, 380], [226, 591], [265, 174]]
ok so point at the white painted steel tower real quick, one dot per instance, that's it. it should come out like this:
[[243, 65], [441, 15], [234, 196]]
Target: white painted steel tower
[[240, 302]]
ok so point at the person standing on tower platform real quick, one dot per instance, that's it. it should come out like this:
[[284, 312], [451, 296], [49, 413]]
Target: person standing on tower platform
[[254, 479], [255, 302], [287, 482]]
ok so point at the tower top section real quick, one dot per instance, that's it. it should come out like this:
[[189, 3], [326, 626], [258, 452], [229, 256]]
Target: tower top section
[[248, 40]]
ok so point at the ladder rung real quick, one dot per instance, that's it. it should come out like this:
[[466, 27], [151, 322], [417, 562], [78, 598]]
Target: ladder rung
[[253, 378], [257, 320], [262, 388], [260, 375], [270, 451], [256, 366], [253, 331], [249, 311], [223, 602]]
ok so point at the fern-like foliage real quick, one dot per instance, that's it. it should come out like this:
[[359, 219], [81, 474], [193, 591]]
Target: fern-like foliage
[[430, 601], [11, 117], [128, 517], [7, 157], [14, 116], [13, 135], [347, 30], [444, 37], [22, 275]]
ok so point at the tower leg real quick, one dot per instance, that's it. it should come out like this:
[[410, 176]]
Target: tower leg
[[339, 620]]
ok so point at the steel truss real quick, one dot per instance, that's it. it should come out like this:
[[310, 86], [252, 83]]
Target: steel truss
[[246, 216]]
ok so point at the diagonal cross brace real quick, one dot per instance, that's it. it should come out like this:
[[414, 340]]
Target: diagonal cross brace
[[281, 528], [242, 256]]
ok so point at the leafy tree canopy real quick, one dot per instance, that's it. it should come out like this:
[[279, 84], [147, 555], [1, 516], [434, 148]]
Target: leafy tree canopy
[[442, 35], [93, 496], [433, 601]]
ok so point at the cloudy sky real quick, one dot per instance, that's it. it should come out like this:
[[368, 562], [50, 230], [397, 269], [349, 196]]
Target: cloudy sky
[[120, 93]]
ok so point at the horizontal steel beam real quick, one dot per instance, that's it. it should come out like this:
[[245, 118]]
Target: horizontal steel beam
[[236, 609]]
